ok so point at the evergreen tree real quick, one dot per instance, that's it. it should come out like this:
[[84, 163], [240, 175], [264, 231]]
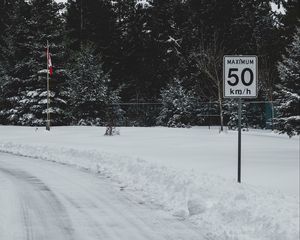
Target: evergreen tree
[[3, 19], [290, 20], [26, 90], [90, 96], [15, 15], [288, 93], [90, 21], [178, 106], [136, 62], [148, 47], [11, 13]]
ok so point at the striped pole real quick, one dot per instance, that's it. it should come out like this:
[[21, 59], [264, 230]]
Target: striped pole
[[48, 93]]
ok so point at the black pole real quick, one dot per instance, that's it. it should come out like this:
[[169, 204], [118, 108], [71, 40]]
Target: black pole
[[239, 140]]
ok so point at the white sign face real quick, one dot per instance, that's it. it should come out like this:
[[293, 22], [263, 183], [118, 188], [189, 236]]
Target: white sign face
[[240, 76]]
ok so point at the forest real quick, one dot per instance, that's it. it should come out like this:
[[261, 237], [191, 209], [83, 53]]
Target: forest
[[147, 63]]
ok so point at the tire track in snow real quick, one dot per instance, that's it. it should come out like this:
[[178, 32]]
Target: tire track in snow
[[41, 214], [118, 211]]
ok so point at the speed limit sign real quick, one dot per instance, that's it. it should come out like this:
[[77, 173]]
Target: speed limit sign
[[240, 76]]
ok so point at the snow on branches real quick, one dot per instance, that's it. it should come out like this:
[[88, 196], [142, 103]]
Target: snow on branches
[[144, 4]]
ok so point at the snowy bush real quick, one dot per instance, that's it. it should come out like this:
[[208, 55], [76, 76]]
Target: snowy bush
[[111, 131]]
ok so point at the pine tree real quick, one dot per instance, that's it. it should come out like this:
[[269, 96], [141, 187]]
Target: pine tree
[[290, 20], [3, 19], [11, 12], [90, 95], [288, 93], [136, 62], [26, 90], [148, 46], [90, 22], [178, 106], [15, 19]]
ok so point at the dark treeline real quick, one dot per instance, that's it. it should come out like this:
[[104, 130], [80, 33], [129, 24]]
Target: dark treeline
[[169, 51]]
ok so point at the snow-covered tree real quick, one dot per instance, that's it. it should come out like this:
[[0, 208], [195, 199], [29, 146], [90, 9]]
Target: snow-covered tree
[[288, 93], [32, 24], [90, 96], [178, 106]]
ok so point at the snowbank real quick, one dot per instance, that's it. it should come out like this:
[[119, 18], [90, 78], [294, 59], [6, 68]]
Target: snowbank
[[224, 209]]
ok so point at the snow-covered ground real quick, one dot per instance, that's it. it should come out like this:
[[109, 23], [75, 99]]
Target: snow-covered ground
[[189, 172]]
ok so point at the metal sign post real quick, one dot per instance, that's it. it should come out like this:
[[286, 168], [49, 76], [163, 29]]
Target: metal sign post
[[240, 142], [240, 81]]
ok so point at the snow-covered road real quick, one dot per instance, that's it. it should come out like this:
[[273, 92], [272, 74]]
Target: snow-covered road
[[44, 200]]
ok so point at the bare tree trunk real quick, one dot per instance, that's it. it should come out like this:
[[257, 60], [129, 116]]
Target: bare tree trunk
[[220, 106], [220, 99], [209, 61]]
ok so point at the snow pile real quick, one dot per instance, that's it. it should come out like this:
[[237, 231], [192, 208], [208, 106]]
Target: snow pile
[[223, 209]]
